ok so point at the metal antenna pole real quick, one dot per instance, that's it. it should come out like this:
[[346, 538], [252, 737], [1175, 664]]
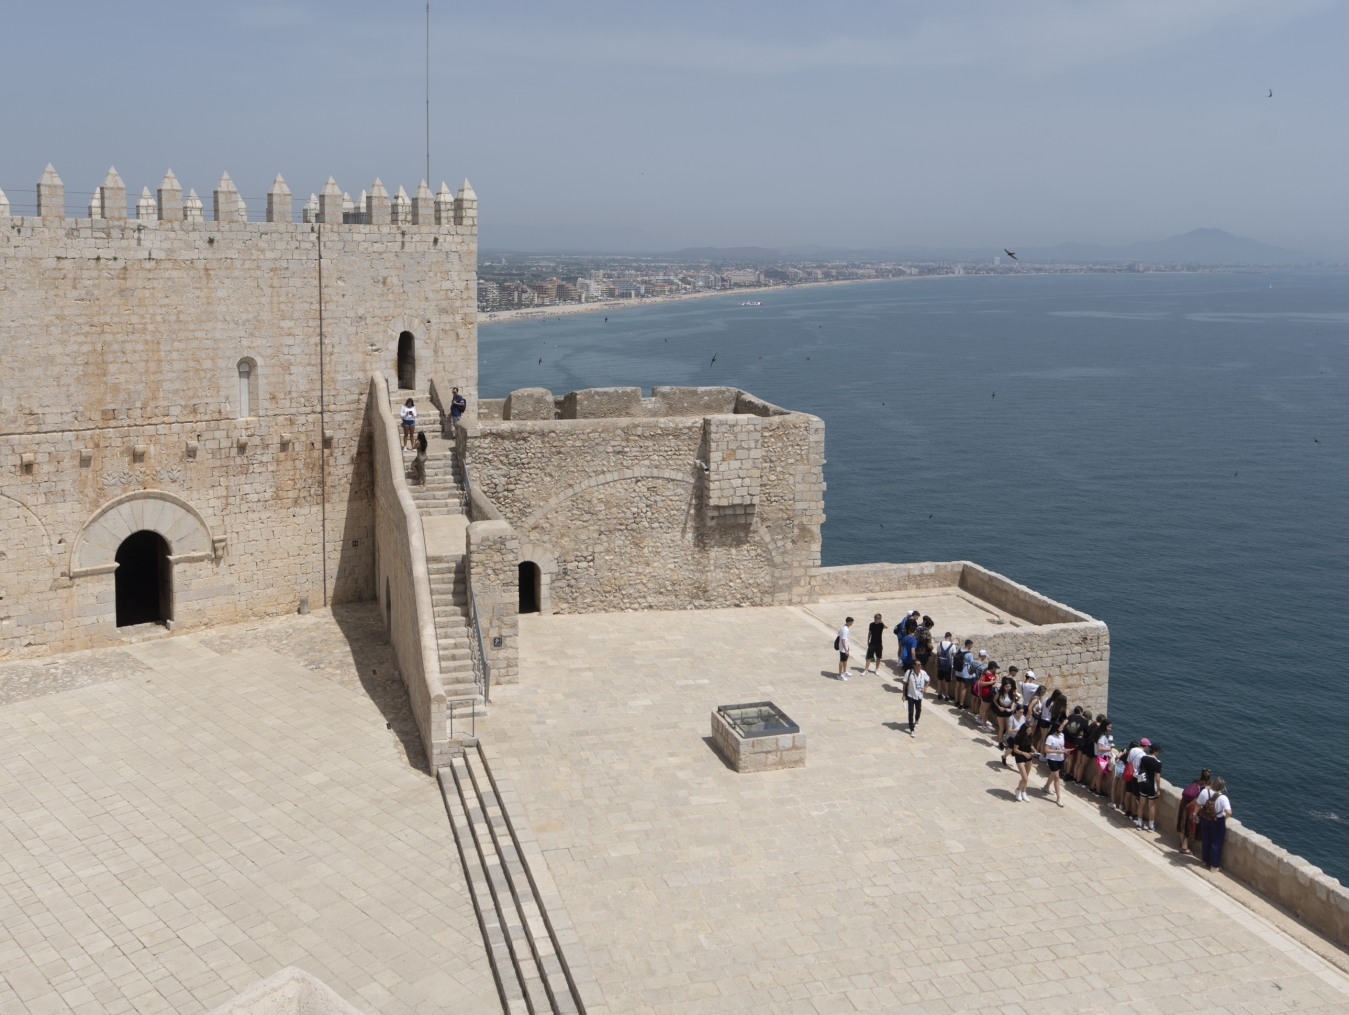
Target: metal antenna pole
[[323, 430], [428, 93]]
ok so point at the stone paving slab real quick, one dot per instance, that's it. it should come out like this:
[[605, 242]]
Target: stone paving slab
[[173, 835], [889, 874]]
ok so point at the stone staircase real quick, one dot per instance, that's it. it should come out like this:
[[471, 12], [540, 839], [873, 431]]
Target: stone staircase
[[442, 495], [523, 944]]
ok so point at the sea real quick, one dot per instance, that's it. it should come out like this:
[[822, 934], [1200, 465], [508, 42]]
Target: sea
[[1167, 451]]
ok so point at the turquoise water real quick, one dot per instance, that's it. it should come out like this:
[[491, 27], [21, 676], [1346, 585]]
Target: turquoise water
[[1142, 447]]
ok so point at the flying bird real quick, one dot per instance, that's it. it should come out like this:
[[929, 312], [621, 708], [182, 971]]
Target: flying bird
[[714, 358], [540, 359], [1318, 442], [1271, 93], [1010, 254]]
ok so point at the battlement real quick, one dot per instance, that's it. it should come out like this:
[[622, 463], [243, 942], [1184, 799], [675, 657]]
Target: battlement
[[330, 206]]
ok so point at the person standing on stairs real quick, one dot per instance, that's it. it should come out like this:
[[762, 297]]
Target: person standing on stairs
[[419, 463], [409, 414], [457, 406]]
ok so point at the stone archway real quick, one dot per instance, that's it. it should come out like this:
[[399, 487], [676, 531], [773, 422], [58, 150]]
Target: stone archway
[[182, 527]]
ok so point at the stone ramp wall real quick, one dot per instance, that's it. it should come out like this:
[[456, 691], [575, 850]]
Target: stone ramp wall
[[403, 581]]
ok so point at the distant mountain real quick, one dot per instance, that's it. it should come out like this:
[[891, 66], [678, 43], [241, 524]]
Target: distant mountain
[[1199, 246]]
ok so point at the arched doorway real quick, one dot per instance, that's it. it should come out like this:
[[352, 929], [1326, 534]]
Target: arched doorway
[[407, 361], [144, 580], [531, 586]]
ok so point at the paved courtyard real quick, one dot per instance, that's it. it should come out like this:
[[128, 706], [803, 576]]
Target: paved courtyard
[[181, 818], [890, 874]]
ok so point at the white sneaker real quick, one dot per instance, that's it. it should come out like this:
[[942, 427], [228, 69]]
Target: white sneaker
[[843, 676]]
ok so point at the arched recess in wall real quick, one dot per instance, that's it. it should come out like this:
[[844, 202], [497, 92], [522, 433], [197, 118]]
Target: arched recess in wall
[[545, 560], [189, 538], [247, 372]]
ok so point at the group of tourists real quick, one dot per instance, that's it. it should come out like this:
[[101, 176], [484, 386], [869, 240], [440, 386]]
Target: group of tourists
[[1030, 723], [415, 439]]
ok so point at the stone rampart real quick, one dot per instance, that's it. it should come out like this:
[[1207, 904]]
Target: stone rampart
[[638, 513], [1296, 884], [404, 583], [1067, 649], [122, 343]]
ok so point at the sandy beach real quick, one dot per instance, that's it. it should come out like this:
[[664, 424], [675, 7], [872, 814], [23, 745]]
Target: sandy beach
[[747, 294]]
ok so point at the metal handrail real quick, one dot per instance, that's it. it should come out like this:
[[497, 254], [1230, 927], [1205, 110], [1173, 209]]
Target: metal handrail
[[484, 668]]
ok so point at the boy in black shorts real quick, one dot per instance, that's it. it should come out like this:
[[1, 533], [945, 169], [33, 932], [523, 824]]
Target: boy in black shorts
[[875, 633]]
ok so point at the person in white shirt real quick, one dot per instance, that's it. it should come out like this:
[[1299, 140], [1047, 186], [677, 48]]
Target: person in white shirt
[[1028, 687], [1212, 831], [841, 643], [1054, 751], [914, 683], [409, 414], [946, 651]]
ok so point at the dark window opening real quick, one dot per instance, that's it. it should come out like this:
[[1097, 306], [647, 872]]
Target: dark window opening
[[143, 580], [531, 587], [407, 361]]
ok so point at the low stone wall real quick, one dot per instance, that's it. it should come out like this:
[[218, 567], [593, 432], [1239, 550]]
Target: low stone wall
[[1067, 649], [492, 559], [403, 582], [291, 991], [1285, 878]]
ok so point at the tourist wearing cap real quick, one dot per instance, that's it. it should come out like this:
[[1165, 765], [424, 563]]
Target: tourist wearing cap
[[1149, 787]]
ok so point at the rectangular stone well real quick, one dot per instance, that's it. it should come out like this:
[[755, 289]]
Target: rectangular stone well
[[758, 737]]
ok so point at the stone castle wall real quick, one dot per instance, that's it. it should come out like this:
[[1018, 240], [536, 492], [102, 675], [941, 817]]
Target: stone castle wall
[[655, 512], [120, 344]]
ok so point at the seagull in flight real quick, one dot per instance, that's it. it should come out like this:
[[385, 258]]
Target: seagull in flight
[[1010, 254], [1271, 93], [714, 358]]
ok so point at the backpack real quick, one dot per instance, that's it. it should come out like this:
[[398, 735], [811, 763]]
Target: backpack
[[1209, 812], [1073, 727], [944, 659], [958, 661], [836, 648]]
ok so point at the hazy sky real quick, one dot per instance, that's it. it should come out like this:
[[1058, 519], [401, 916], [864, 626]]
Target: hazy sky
[[692, 123]]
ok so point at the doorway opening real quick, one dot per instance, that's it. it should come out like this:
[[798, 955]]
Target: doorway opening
[[531, 587], [407, 361], [143, 580]]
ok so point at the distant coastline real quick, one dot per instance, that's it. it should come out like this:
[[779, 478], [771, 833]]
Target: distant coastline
[[748, 292]]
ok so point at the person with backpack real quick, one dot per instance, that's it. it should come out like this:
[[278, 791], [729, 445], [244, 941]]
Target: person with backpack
[[960, 670], [1187, 814], [983, 692], [1131, 761], [1214, 810], [946, 653], [915, 681], [875, 643], [907, 630], [1073, 728], [841, 647], [1149, 788], [1124, 773]]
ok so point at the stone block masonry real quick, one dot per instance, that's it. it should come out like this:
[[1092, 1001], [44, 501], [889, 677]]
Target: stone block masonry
[[171, 355], [657, 512]]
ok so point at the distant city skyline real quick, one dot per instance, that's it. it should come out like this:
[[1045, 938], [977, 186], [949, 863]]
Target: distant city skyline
[[600, 126]]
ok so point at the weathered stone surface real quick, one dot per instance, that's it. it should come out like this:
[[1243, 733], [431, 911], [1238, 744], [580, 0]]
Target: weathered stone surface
[[152, 324]]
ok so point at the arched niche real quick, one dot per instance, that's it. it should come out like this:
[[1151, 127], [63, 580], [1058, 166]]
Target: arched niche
[[189, 538]]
